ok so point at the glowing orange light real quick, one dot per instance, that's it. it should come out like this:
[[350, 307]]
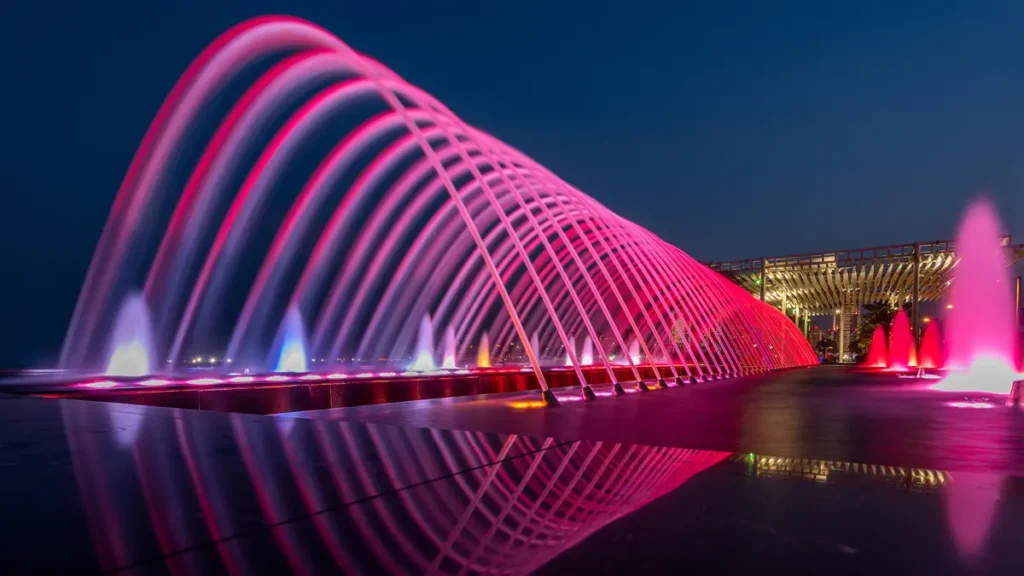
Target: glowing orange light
[[527, 404]]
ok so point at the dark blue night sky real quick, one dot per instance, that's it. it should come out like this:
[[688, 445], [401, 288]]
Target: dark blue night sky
[[732, 129]]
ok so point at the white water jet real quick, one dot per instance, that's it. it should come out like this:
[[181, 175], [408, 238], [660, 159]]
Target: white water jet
[[423, 360], [634, 351], [587, 357], [448, 361], [132, 343], [292, 338], [535, 344], [572, 346]]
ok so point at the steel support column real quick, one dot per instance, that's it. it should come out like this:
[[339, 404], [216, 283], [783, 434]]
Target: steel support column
[[917, 293], [764, 276]]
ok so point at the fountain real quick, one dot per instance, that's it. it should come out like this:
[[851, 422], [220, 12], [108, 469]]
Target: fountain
[[448, 360], [901, 343], [587, 357], [634, 351], [292, 343], [931, 347], [389, 224], [483, 353], [535, 344], [132, 344], [572, 345], [423, 358], [982, 336], [877, 356]]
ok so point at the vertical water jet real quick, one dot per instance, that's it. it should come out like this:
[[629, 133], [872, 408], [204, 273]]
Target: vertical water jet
[[423, 357], [448, 360], [131, 345], [291, 343], [877, 355]]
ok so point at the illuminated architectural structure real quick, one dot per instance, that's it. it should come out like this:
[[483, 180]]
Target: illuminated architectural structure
[[826, 470], [838, 283], [277, 242]]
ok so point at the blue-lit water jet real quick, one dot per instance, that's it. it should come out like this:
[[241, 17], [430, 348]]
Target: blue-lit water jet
[[132, 341]]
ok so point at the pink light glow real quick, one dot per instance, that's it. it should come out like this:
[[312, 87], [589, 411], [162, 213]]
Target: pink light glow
[[241, 379], [388, 374], [982, 336], [101, 384], [205, 381], [336, 376], [877, 354], [277, 378], [365, 375], [311, 377], [901, 343], [153, 382], [979, 405], [931, 347]]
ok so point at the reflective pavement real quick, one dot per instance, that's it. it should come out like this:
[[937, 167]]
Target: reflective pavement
[[93, 487]]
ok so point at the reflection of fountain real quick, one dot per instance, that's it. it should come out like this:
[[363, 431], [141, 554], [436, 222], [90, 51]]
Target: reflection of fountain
[[981, 335], [587, 357], [292, 338], [448, 360], [877, 354], [901, 343], [483, 353], [931, 347], [423, 359], [132, 345]]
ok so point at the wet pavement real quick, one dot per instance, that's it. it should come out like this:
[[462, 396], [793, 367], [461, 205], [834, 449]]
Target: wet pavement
[[825, 412], [805, 471]]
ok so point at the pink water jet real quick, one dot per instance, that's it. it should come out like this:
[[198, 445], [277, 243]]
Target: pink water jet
[[981, 335], [931, 347], [902, 354], [877, 356]]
